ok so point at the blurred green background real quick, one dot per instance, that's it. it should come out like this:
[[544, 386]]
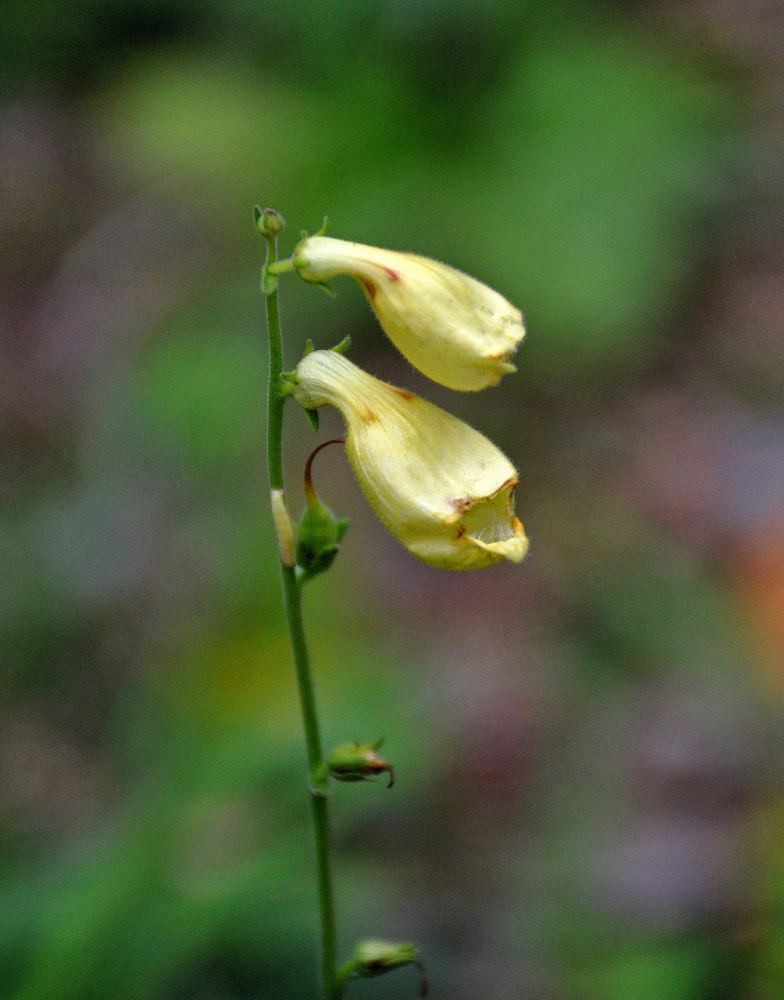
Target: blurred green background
[[590, 796]]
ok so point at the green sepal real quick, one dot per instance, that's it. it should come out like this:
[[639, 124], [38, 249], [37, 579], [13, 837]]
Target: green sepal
[[288, 381], [343, 346], [299, 264], [324, 287], [287, 384], [304, 234], [269, 281]]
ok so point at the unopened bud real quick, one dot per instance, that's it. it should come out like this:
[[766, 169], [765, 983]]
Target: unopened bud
[[283, 527], [374, 958], [319, 532], [358, 762], [268, 222]]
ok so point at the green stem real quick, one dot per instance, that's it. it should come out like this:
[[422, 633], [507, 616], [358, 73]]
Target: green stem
[[292, 600], [275, 398]]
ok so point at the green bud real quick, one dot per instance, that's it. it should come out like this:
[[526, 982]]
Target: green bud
[[318, 538], [319, 533], [268, 222], [374, 958], [358, 762]]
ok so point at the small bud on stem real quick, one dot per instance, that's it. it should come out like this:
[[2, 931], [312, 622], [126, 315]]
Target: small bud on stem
[[319, 533], [358, 762], [283, 527], [374, 958], [268, 222]]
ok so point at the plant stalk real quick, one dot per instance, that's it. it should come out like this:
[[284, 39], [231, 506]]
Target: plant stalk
[[292, 600]]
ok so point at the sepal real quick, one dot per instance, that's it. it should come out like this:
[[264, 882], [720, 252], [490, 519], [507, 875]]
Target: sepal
[[344, 345], [269, 281]]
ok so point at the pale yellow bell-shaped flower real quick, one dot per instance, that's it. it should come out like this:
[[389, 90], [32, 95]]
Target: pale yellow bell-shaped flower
[[439, 486], [454, 329]]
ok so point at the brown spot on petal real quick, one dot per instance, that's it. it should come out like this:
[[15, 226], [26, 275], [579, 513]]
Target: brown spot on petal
[[369, 287], [365, 413], [461, 504], [392, 275], [408, 396]]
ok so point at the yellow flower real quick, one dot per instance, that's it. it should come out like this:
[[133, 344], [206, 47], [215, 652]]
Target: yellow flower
[[450, 326], [439, 486]]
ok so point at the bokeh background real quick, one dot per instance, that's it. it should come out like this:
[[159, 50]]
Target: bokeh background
[[590, 793]]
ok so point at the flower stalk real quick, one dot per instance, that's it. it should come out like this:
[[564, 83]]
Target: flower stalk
[[270, 224]]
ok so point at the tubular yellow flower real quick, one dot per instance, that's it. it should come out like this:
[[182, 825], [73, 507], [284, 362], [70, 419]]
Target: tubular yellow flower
[[439, 486], [454, 329]]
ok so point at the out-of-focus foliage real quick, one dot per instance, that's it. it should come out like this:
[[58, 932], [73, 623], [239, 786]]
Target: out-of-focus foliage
[[588, 783]]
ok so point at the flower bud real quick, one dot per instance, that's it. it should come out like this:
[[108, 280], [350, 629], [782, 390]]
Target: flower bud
[[283, 528], [454, 329], [374, 958], [268, 222], [318, 538], [319, 533], [440, 487], [358, 762]]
